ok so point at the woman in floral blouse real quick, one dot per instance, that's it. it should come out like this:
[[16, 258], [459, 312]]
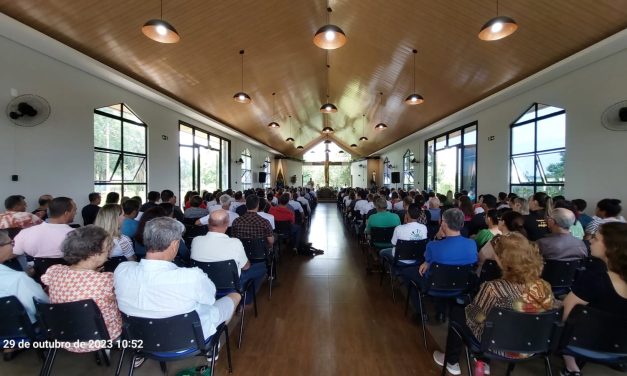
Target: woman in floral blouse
[[520, 289], [86, 249]]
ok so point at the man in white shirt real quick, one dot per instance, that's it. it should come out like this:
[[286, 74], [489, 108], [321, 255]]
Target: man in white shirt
[[18, 284], [44, 240], [295, 204], [301, 198], [261, 212], [411, 230], [239, 201], [156, 288], [217, 246], [362, 205], [225, 204]]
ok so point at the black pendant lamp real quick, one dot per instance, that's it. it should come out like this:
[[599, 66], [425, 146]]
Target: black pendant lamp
[[160, 30], [242, 97], [353, 145], [363, 122], [328, 108], [273, 124], [498, 27], [329, 37], [300, 138], [381, 126], [415, 98], [290, 139]]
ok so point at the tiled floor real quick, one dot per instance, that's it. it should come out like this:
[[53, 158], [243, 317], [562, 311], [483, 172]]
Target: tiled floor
[[326, 317]]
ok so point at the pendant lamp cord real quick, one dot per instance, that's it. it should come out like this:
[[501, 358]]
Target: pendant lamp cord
[[290, 125], [363, 120], [161, 9], [415, 52], [273, 106], [328, 67], [241, 52], [497, 8]]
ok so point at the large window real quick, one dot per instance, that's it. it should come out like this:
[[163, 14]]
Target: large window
[[267, 168], [120, 163], [327, 165], [387, 172], [247, 174], [451, 161], [408, 170], [203, 160], [538, 148]]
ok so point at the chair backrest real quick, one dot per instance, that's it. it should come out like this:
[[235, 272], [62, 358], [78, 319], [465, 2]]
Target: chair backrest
[[381, 234], [255, 248], [595, 330], [13, 231], [298, 217], [401, 215], [41, 264], [489, 271], [189, 221], [70, 322], [192, 231], [283, 227], [560, 274], [223, 274], [521, 332], [449, 277], [410, 250], [15, 322], [171, 334]]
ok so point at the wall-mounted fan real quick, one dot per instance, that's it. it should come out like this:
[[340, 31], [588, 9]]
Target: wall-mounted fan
[[614, 117], [28, 110]]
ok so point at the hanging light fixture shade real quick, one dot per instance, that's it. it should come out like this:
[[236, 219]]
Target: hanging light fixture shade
[[415, 98], [329, 37], [328, 108], [299, 147], [353, 145], [327, 141], [327, 130], [363, 138], [498, 27], [242, 97], [273, 124], [160, 30]]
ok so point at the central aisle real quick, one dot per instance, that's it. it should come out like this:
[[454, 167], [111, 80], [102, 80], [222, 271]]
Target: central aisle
[[327, 317]]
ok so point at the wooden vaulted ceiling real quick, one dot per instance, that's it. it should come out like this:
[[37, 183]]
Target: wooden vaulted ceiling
[[453, 69]]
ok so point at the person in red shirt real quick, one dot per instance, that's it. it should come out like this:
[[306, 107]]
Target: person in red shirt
[[283, 213]]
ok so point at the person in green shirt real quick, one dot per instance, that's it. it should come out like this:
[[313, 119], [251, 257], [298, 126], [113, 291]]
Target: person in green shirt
[[382, 218], [492, 220]]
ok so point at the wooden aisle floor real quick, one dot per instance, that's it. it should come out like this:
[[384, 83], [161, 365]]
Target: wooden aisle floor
[[326, 317]]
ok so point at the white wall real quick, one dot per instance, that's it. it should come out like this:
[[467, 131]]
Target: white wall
[[56, 157], [595, 157]]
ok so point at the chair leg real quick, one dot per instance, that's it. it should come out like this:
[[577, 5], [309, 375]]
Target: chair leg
[[105, 357], [214, 353], [164, 367], [409, 288], [392, 284], [510, 368], [547, 365], [119, 367], [255, 297], [47, 366], [422, 319], [228, 348], [130, 366], [97, 355], [383, 263], [241, 324], [468, 364]]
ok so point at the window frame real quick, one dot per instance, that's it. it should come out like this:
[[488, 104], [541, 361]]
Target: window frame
[[121, 152], [223, 185], [535, 153], [408, 169], [247, 161], [462, 145]]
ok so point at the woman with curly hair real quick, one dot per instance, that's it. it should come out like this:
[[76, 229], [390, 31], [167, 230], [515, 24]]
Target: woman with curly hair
[[605, 290], [520, 288], [86, 249]]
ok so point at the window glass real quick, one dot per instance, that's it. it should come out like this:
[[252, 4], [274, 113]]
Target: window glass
[[552, 133], [455, 138], [523, 138]]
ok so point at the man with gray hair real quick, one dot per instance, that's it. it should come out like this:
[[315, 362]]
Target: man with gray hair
[[156, 288], [225, 203], [217, 246], [561, 245], [453, 249]]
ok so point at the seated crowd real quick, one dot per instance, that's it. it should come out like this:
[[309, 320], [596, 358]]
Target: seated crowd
[[522, 238], [136, 259]]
